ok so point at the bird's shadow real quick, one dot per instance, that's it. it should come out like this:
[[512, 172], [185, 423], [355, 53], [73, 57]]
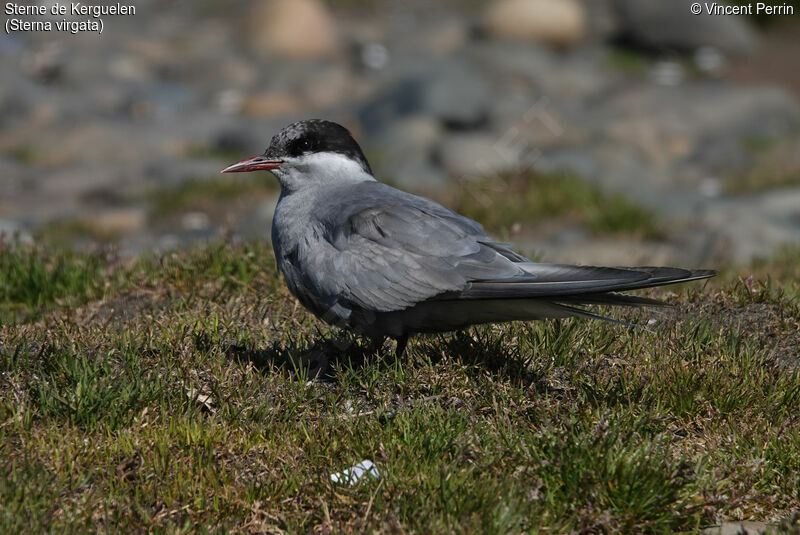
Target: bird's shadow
[[321, 359], [480, 348], [318, 361]]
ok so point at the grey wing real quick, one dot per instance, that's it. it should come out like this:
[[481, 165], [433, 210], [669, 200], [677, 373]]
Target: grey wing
[[392, 256], [390, 250]]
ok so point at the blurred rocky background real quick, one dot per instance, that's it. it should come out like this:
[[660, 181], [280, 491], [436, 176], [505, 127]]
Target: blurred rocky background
[[609, 131]]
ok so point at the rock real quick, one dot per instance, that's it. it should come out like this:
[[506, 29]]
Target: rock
[[536, 124], [574, 83], [660, 144], [452, 90], [230, 101], [120, 220], [669, 26], [108, 145], [374, 56], [567, 78], [559, 23], [783, 205], [77, 181], [293, 29], [668, 73], [329, 87], [404, 153], [448, 36], [437, 36], [257, 221], [568, 160], [750, 228], [266, 104], [775, 164], [12, 231], [233, 141], [163, 101], [156, 53], [176, 171], [46, 63], [418, 175], [505, 59], [476, 155], [16, 176], [709, 61], [457, 93], [236, 72], [704, 122], [401, 98], [600, 18], [192, 221], [744, 527], [129, 68], [411, 135]]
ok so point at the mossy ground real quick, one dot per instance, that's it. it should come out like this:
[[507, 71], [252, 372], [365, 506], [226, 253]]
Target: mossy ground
[[176, 394]]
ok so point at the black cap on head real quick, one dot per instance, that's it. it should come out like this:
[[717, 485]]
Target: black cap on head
[[315, 135]]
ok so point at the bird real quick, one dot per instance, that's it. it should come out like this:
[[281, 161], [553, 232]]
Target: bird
[[384, 263]]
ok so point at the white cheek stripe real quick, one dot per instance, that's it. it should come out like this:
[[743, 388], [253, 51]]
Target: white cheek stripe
[[324, 168]]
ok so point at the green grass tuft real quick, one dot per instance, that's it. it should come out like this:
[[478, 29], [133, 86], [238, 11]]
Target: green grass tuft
[[31, 279], [527, 198]]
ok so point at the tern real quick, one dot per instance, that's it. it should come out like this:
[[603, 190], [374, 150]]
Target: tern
[[381, 262]]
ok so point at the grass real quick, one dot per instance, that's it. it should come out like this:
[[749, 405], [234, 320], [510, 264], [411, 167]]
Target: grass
[[627, 61], [528, 198], [64, 233], [783, 266], [774, 165], [176, 394], [31, 280], [24, 154], [772, 172]]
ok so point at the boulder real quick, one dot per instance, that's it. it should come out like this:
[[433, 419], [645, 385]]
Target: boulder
[[457, 93], [476, 155], [295, 29], [403, 153], [670, 26], [559, 23], [453, 91]]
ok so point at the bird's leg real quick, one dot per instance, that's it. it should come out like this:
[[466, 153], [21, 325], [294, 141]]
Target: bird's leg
[[376, 344], [401, 346]]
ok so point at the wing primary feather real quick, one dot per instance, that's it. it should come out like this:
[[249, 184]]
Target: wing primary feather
[[585, 283], [592, 315], [612, 298]]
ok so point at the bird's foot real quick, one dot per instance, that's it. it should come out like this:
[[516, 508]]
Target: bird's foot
[[402, 342]]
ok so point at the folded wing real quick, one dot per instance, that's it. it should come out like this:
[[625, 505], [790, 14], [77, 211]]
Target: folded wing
[[391, 250]]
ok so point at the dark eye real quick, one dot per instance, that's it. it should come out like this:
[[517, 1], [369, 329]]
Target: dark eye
[[299, 146]]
